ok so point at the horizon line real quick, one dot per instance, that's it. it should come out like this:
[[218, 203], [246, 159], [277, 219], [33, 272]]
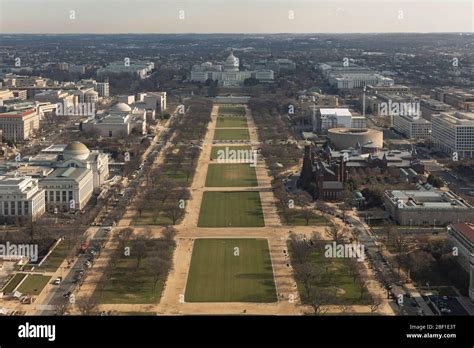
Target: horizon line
[[243, 33]]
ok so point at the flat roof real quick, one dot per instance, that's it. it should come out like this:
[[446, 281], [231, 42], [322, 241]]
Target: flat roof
[[334, 111], [466, 229], [55, 148], [429, 199], [68, 173], [17, 113]]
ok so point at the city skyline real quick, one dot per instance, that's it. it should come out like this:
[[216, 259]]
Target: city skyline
[[249, 17]]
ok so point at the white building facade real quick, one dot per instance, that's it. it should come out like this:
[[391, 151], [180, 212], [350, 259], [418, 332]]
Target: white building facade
[[228, 74], [21, 197], [412, 127], [453, 132], [19, 125], [324, 119]]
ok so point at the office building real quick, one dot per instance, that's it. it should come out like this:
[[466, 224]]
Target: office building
[[138, 69], [155, 101], [430, 107], [103, 89], [453, 132], [19, 125], [347, 76], [458, 98], [413, 127]]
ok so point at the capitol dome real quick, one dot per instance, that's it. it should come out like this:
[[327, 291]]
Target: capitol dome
[[121, 107], [232, 62], [76, 150]]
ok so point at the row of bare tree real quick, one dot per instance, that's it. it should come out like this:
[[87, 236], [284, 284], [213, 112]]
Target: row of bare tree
[[317, 276]]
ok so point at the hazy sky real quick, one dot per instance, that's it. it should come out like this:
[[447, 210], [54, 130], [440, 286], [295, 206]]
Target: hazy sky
[[236, 16]]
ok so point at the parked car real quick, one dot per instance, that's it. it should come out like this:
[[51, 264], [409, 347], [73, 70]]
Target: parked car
[[58, 281]]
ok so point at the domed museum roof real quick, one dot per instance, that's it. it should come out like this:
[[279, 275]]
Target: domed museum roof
[[76, 150], [121, 107]]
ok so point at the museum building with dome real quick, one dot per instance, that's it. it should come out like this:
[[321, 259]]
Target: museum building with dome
[[119, 121], [69, 174]]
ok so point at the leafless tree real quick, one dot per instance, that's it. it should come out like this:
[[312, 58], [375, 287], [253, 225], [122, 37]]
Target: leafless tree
[[188, 170], [336, 233], [375, 303], [307, 215], [87, 306], [159, 267], [139, 250], [174, 212], [354, 268], [302, 198], [390, 229], [363, 290], [300, 249], [356, 233], [308, 274], [400, 244], [346, 203], [169, 233], [320, 297], [123, 235], [62, 309], [283, 199]]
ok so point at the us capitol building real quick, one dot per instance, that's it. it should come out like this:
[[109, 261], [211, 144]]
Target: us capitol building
[[228, 74]]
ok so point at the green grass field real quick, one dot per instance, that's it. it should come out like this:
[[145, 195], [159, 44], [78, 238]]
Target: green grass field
[[128, 284], [215, 150], [231, 209], [298, 220], [231, 134], [33, 284], [151, 217], [57, 256], [216, 274], [231, 110], [231, 175], [179, 176], [13, 283], [231, 122]]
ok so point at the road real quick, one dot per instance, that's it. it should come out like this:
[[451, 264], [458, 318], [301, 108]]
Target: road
[[97, 237], [384, 272], [55, 297]]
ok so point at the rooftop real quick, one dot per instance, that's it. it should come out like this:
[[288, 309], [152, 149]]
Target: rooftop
[[18, 113], [457, 117], [427, 199], [68, 173], [337, 112], [466, 229]]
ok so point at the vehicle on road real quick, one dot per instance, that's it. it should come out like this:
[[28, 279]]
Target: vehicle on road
[[67, 294], [58, 281]]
